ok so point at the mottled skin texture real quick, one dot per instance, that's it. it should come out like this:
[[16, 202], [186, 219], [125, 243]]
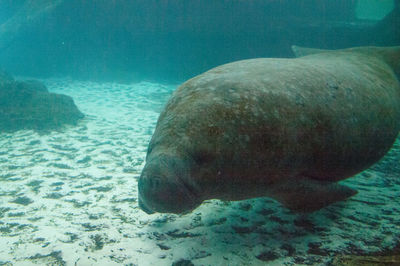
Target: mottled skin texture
[[283, 128]]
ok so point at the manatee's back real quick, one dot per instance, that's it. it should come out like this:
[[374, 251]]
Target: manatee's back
[[327, 117], [361, 95]]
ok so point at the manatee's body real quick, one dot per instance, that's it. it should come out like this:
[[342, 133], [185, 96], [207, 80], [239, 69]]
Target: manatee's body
[[283, 128]]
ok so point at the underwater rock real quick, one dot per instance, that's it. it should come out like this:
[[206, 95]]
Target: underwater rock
[[386, 256], [353, 260], [267, 256], [163, 247], [183, 262], [282, 128], [29, 105]]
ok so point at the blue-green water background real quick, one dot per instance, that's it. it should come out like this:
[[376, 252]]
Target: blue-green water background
[[160, 40]]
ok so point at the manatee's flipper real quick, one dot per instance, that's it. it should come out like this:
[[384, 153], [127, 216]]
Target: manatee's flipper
[[303, 51], [308, 195]]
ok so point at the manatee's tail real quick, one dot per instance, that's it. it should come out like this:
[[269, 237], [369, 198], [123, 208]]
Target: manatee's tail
[[391, 55]]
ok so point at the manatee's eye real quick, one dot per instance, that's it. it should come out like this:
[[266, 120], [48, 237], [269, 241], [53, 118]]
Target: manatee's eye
[[203, 157]]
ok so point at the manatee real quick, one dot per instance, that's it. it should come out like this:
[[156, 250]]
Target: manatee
[[288, 129]]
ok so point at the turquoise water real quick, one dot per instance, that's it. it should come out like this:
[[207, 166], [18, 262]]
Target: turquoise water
[[69, 194]]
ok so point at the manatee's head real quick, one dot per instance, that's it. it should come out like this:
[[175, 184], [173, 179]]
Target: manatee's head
[[165, 185]]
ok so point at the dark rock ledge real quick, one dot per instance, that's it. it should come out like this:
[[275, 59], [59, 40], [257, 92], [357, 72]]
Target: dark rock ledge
[[29, 105]]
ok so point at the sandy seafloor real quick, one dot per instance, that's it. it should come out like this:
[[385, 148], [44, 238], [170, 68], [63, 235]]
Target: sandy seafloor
[[70, 198]]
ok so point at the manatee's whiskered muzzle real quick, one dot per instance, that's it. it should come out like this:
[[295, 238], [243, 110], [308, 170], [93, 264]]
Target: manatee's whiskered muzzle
[[162, 187], [144, 207]]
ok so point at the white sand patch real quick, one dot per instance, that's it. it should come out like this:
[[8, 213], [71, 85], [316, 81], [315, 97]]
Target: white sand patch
[[70, 197]]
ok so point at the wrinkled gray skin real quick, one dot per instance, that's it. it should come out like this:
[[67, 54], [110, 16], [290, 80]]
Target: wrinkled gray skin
[[283, 128]]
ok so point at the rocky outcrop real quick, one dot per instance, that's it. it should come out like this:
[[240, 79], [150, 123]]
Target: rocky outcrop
[[29, 105]]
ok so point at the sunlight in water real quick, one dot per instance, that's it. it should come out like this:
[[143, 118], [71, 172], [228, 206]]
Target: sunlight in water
[[373, 9]]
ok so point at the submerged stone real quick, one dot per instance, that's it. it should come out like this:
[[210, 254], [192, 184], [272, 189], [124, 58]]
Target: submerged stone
[[29, 105], [366, 260], [267, 256], [22, 201], [182, 262]]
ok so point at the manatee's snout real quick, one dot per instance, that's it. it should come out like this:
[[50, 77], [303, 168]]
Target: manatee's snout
[[162, 186]]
